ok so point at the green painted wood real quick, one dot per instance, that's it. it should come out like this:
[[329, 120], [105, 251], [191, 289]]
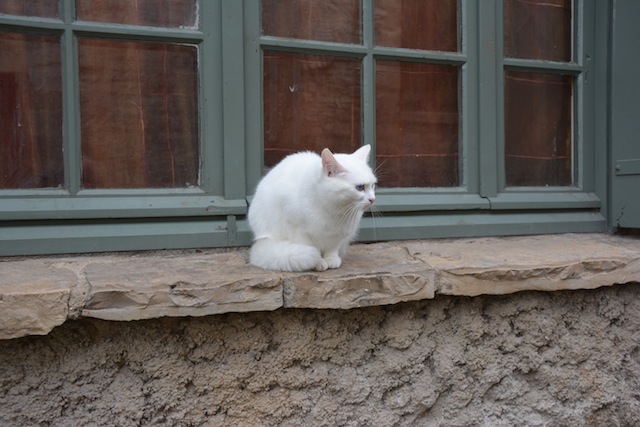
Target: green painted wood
[[134, 206], [211, 105], [625, 114], [531, 200], [470, 102], [601, 102], [478, 224], [489, 46], [368, 80], [100, 236], [254, 130], [550, 67], [230, 56], [233, 98], [71, 111], [394, 202], [27, 238], [628, 167]]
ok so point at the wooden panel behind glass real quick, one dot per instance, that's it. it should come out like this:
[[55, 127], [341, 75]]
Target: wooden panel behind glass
[[417, 24], [310, 102], [158, 13], [41, 8], [139, 114], [417, 124], [30, 111], [538, 29], [538, 129], [326, 20]]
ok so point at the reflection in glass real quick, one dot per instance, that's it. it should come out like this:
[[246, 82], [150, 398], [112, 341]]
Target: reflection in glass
[[156, 13], [417, 24], [139, 114], [538, 29], [417, 124], [310, 102], [30, 111], [538, 129], [327, 20]]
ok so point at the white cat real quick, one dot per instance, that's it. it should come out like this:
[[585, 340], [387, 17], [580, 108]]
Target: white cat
[[306, 210]]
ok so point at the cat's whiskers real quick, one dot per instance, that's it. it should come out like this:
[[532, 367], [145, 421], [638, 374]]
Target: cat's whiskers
[[348, 214], [381, 172], [375, 214]]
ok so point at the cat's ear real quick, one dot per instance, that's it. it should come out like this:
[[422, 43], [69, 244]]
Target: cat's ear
[[362, 153], [330, 165]]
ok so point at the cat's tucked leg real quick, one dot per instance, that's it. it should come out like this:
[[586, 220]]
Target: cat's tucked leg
[[343, 248]]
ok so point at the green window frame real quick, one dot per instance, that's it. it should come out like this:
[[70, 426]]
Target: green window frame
[[483, 204], [230, 54], [73, 219]]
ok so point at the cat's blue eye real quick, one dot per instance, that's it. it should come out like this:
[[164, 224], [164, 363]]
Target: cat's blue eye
[[360, 187]]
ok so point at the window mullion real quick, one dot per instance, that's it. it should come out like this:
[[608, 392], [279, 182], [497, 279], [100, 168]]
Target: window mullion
[[253, 86], [71, 103], [489, 95], [210, 92], [368, 78], [233, 98]]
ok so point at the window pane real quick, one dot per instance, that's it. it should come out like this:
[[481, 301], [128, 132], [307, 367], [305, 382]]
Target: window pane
[[139, 114], [417, 122], [327, 20], [159, 13], [30, 111], [538, 29], [538, 123], [417, 24], [310, 102], [41, 8]]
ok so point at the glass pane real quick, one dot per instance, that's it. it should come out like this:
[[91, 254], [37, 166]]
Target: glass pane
[[417, 24], [41, 8], [30, 111], [310, 102], [538, 127], [538, 29], [158, 13], [417, 124], [327, 20], [139, 114]]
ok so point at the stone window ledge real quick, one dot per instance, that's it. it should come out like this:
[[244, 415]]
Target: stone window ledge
[[40, 293]]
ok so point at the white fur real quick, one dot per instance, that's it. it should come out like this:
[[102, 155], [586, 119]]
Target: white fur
[[306, 210]]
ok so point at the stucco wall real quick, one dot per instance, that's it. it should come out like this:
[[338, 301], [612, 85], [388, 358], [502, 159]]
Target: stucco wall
[[568, 358]]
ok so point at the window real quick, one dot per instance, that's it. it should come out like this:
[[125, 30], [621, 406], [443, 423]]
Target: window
[[147, 124], [480, 113], [112, 134]]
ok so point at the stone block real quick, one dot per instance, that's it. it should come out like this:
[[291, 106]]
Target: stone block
[[151, 285], [34, 297]]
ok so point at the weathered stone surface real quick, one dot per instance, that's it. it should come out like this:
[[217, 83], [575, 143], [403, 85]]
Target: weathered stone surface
[[34, 297], [377, 274], [39, 293], [148, 286], [496, 266]]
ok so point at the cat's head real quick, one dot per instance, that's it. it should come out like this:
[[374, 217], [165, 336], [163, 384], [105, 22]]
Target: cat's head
[[350, 176]]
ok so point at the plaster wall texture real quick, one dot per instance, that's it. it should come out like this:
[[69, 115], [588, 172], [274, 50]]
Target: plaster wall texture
[[566, 358]]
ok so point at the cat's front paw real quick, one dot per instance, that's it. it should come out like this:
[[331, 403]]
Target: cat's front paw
[[333, 262], [321, 265]]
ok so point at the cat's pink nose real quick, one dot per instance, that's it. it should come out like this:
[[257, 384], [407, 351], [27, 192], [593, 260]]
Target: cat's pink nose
[[371, 200]]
